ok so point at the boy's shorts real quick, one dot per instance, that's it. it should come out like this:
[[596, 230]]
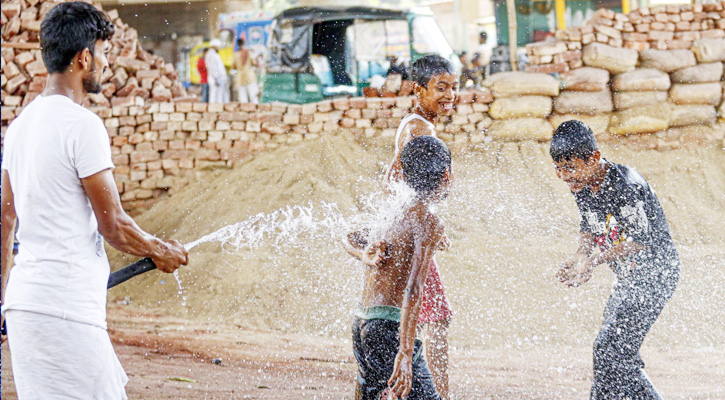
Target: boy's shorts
[[375, 341], [435, 306]]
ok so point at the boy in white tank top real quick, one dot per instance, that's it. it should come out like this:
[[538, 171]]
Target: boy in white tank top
[[436, 87]]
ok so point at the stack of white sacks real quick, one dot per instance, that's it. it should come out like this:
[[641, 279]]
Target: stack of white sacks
[[522, 103]]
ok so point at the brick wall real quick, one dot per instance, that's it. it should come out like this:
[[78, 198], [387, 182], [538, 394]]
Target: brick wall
[[158, 148]]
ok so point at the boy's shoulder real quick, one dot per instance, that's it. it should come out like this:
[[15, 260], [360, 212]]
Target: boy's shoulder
[[425, 223], [417, 126], [628, 176]]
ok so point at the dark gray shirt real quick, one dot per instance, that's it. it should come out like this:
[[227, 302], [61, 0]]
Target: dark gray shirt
[[626, 209]]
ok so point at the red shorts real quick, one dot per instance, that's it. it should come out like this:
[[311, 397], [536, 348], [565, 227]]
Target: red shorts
[[435, 307]]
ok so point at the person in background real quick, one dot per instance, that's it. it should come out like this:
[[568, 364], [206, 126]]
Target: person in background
[[397, 68], [217, 74], [468, 74], [246, 78], [201, 67], [478, 69], [483, 49]]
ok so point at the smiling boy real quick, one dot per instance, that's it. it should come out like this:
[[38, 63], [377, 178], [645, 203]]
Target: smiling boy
[[436, 87], [622, 215]]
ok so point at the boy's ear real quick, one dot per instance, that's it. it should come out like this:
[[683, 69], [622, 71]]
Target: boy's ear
[[595, 158], [448, 176], [417, 89]]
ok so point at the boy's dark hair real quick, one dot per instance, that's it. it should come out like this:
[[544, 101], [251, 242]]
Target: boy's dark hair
[[482, 36], [67, 29], [425, 160], [573, 139], [240, 42], [430, 66]]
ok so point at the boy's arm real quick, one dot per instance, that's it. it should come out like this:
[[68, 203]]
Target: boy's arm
[[585, 246], [424, 248], [617, 252]]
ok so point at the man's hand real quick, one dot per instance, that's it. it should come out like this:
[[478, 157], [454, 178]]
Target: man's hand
[[401, 382], [172, 256]]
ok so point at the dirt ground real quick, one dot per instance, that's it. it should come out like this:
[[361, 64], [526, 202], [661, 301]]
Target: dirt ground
[[277, 309], [169, 358]]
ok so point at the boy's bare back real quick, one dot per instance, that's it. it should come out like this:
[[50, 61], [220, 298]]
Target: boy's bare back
[[410, 245]]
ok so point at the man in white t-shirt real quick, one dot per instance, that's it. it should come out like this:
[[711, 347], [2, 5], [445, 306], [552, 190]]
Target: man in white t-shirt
[[57, 182], [217, 74]]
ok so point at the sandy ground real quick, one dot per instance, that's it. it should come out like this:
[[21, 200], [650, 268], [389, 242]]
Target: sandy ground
[[277, 309], [169, 358]]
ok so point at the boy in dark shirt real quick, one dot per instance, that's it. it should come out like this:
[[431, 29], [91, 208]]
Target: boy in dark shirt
[[621, 214], [389, 356]]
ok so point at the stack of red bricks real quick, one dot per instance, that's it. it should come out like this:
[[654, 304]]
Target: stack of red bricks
[[665, 27], [556, 56], [156, 146], [674, 26], [133, 77]]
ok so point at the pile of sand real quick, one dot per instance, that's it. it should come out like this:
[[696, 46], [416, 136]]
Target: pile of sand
[[510, 220]]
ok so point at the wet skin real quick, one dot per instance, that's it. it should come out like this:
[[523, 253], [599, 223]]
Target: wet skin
[[578, 174], [397, 270]]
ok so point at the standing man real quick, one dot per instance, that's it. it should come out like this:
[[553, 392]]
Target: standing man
[[483, 48], [57, 180], [201, 67], [246, 78], [217, 74]]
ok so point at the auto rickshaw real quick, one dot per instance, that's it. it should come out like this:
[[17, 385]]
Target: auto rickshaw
[[315, 53]]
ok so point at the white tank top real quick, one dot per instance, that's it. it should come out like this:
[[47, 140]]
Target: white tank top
[[404, 122]]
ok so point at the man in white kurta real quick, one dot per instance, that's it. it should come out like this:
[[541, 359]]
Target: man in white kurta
[[217, 74], [57, 182]]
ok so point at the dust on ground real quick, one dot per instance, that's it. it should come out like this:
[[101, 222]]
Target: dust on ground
[[279, 315]]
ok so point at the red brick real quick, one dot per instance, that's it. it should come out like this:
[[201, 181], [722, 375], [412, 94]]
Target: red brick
[[358, 102], [342, 104], [143, 156], [120, 159], [145, 146]]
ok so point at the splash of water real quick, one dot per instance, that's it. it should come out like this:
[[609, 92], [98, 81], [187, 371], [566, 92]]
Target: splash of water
[[284, 227]]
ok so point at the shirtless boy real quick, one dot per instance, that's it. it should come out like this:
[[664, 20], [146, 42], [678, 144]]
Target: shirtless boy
[[389, 356]]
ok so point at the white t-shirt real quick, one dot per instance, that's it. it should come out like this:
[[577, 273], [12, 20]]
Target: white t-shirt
[[61, 268]]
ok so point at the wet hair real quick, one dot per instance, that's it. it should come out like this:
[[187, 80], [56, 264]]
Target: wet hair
[[573, 139], [240, 42], [67, 29], [429, 66], [425, 159]]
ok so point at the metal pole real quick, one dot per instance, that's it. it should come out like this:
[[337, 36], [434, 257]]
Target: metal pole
[[511, 12], [560, 6], [459, 36]]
